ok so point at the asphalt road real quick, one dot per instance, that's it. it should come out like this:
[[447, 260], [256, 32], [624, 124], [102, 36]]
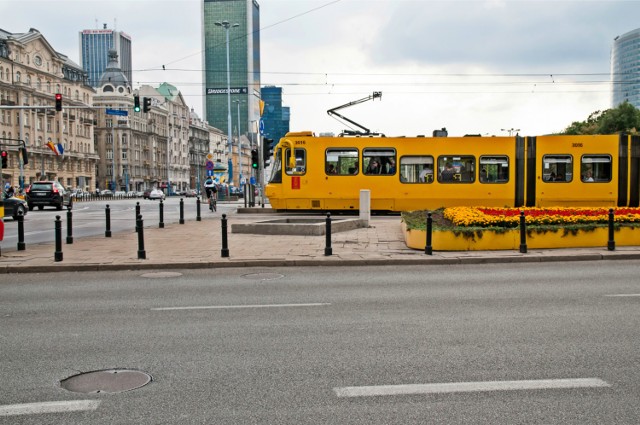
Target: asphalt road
[[503, 344]]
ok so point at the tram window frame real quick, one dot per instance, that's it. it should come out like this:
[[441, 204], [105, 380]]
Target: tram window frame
[[411, 167], [344, 166], [276, 171], [301, 162], [383, 156], [460, 175], [550, 166], [496, 170], [600, 173]]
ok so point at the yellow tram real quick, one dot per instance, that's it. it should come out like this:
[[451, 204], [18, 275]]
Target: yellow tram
[[411, 173]]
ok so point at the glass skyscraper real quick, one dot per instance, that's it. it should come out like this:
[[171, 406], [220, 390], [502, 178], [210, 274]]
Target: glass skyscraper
[[625, 69], [94, 52], [276, 117], [244, 63]]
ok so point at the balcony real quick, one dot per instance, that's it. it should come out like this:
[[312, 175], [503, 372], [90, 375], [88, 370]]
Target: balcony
[[7, 102], [41, 111]]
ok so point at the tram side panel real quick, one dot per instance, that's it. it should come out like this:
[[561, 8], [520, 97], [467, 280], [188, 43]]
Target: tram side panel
[[574, 171]]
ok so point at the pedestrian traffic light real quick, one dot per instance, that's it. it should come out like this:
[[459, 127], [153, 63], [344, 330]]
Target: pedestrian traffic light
[[146, 104], [5, 157], [267, 151], [136, 103], [58, 102], [254, 158]]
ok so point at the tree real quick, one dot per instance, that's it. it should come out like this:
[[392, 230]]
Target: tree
[[624, 118]]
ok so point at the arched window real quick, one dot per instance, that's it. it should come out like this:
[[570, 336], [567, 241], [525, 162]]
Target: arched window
[[107, 88], [39, 84], [18, 76]]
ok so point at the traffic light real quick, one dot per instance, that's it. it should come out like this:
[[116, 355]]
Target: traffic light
[[136, 103], [58, 102], [267, 151], [254, 158], [5, 157], [25, 155], [146, 104]]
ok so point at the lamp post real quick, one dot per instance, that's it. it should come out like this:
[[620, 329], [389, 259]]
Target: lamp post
[[510, 130], [226, 25], [238, 102]]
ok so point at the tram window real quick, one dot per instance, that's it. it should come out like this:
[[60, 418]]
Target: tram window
[[379, 161], [557, 168], [276, 171], [494, 169], [416, 169], [300, 165], [341, 162], [595, 168], [456, 169]]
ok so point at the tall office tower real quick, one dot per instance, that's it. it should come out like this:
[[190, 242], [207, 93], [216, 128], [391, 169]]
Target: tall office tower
[[625, 63], [241, 20], [276, 117], [94, 52]]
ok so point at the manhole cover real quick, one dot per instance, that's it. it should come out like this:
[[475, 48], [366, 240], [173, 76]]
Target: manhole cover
[[263, 276], [106, 381], [156, 275]]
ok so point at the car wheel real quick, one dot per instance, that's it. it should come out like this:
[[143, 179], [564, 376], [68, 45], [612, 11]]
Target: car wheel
[[59, 206], [40, 207], [30, 207]]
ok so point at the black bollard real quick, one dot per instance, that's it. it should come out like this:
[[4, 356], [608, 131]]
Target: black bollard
[[181, 221], [611, 244], [198, 217], [428, 249], [327, 249], [137, 214], [107, 213], [21, 245], [58, 237], [142, 255], [161, 225], [523, 233], [69, 225], [225, 246]]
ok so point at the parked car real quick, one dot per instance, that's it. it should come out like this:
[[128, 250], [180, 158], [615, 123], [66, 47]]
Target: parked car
[[48, 193], [13, 206], [156, 194], [106, 193], [146, 193], [190, 193]]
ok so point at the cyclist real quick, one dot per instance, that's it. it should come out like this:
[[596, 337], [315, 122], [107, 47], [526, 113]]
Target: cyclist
[[212, 193]]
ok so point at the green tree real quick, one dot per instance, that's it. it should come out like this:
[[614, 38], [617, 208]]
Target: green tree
[[625, 118]]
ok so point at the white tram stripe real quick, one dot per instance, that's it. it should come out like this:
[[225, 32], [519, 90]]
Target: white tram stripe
[[48, 407], [227, 307], [623, 295], [458, 387]]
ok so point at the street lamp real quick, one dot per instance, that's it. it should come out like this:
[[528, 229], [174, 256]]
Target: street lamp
[[226, 25], [510, 130], [239, 144]]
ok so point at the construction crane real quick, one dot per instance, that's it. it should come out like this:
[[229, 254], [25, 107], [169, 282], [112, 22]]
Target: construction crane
[[366, 131]]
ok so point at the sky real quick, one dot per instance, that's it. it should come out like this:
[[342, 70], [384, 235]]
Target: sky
[[490, 67]]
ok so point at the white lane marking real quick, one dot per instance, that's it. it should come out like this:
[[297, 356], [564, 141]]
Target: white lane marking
[[48, 407], [226, 307], [457, 387], [623, 295]]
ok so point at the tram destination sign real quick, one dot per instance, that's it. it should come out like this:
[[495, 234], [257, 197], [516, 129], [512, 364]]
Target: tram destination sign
[[233, 90]]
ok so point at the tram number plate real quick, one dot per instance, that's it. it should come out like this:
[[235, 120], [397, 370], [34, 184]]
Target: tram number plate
[[295, 182]]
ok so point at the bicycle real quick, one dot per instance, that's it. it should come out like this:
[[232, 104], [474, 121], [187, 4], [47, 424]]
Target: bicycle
[[212, 202]]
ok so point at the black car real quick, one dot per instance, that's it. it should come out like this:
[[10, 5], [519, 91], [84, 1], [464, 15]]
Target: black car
[[13, 206], [48, 193]]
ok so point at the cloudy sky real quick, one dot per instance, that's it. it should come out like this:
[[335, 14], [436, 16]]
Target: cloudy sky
[[470, 66]]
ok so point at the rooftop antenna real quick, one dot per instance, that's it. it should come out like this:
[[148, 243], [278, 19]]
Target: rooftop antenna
[[366, 131]]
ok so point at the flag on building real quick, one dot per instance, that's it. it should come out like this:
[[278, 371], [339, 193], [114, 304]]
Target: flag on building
[[56, 148]]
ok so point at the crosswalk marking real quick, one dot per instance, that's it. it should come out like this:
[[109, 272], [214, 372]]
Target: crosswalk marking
[[48, 407]]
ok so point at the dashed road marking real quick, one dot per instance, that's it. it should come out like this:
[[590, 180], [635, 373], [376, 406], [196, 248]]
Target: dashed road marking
[[48, 407], [227, 307], [623, 295], [459, 387]]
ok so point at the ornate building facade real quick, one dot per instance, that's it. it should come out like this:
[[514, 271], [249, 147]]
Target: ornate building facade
[[31, 73]]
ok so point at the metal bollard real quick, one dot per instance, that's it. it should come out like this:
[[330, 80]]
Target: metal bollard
[[198, 217], [327, 249], [142, 255], [58, 237], [137, 213], [523, 233], [161, 225], [69, 225], [611, 243], [428, 249], [181, 211], [21, 245], [107, 213], [225, 245]]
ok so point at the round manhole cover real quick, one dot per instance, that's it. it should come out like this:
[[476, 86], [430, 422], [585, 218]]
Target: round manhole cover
[[106, 381], [262, 276], [156, 275]]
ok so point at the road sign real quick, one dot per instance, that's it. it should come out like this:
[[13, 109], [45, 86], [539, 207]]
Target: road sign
[[117, 112], [209, 173], [209, 165], [261, 127], [209, 157]]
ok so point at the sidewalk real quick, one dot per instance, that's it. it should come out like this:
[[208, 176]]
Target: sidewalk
[[198, 244]]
